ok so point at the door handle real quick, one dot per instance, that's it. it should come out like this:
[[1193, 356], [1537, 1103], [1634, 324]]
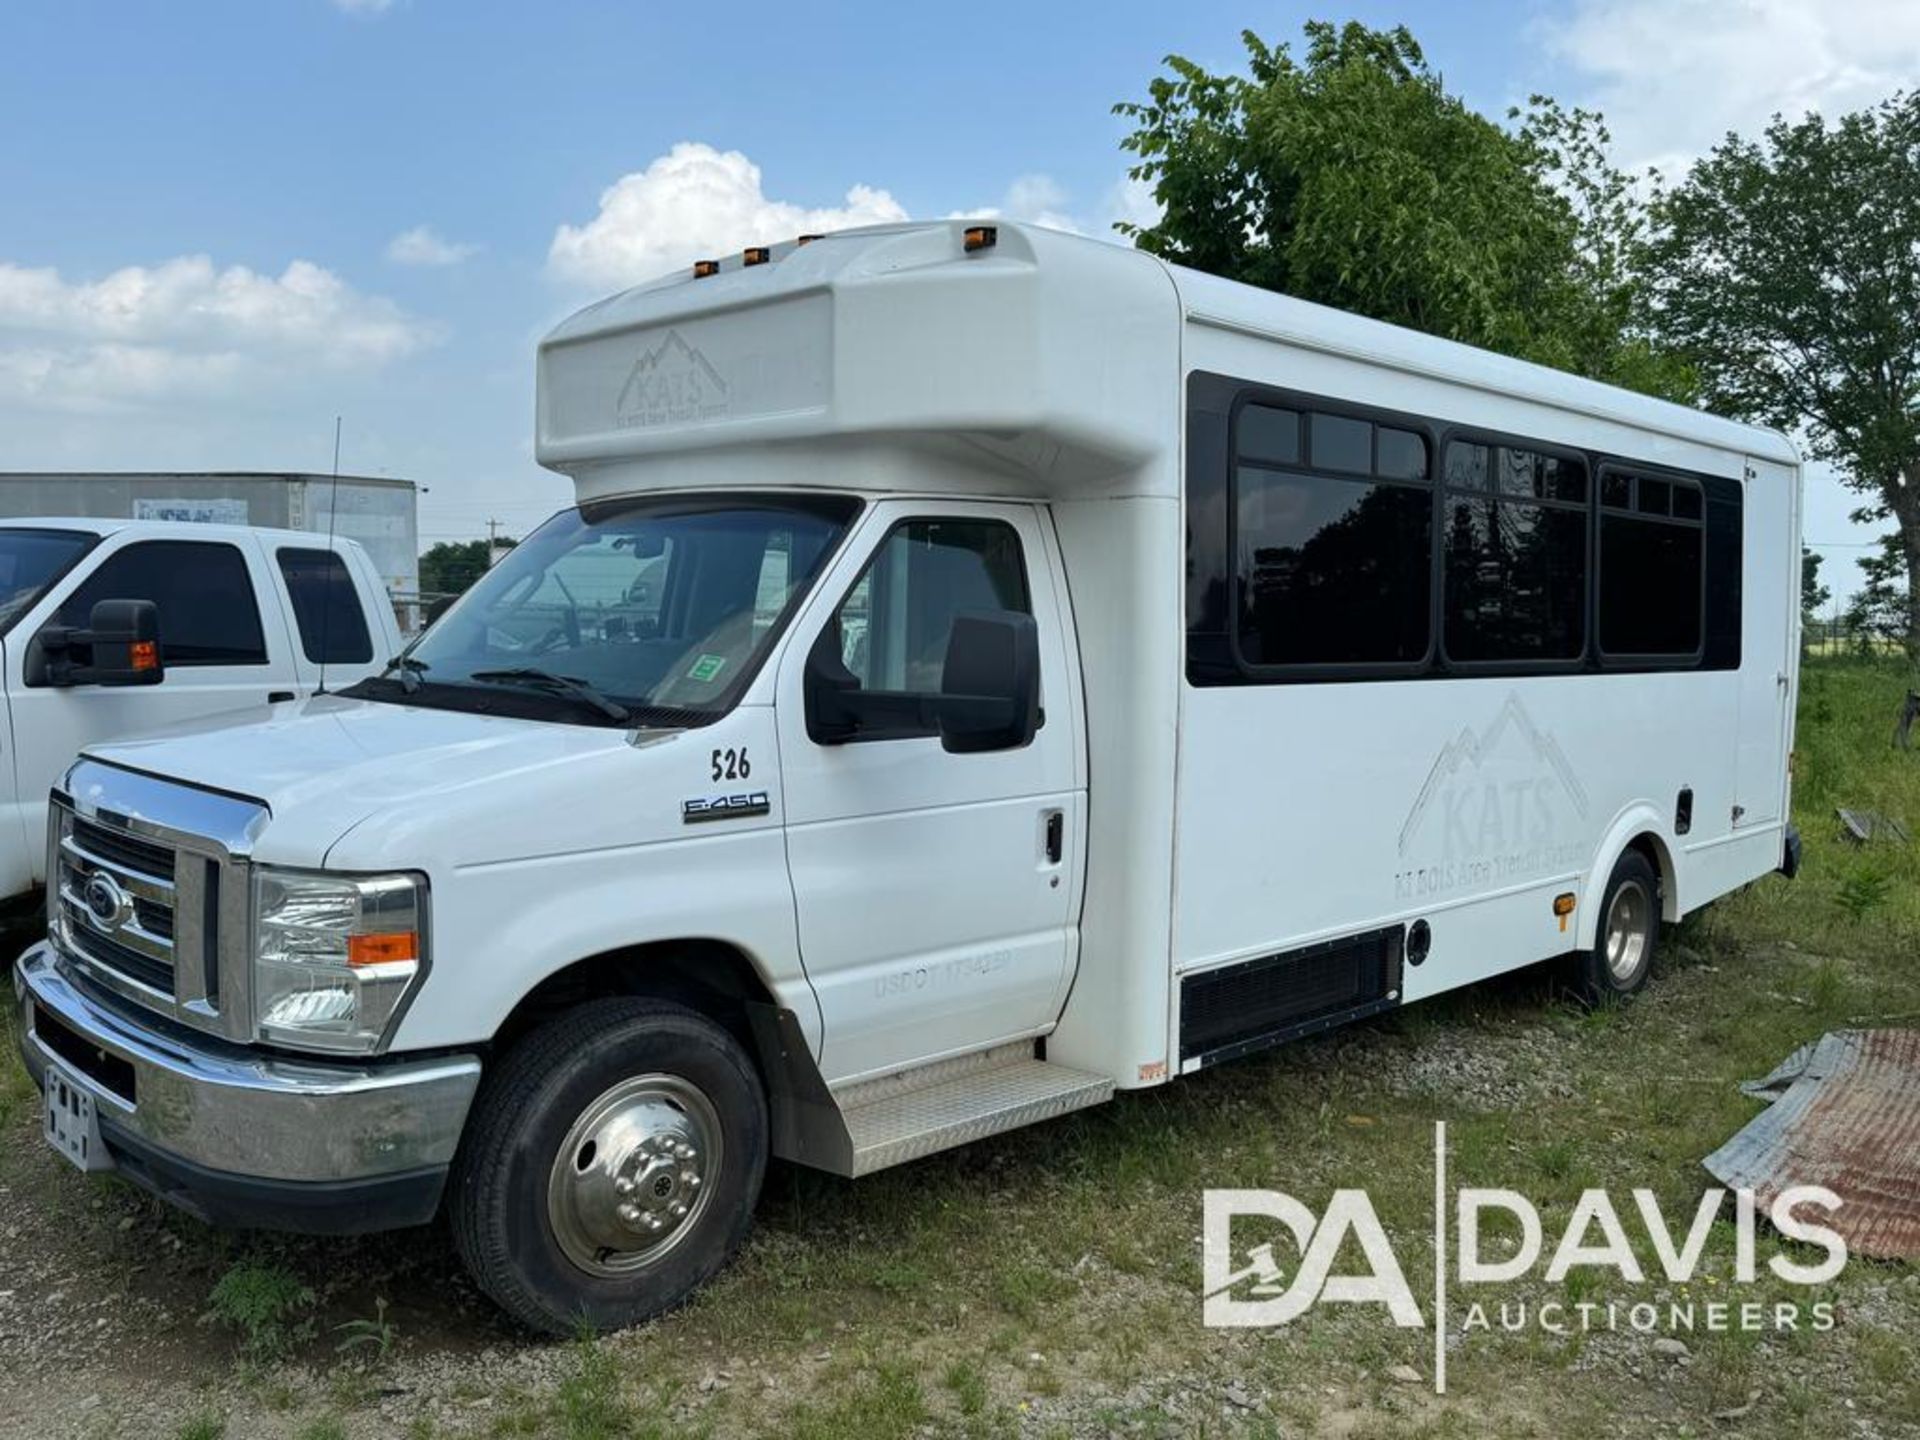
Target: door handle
[[274, 697], [1056, 836]]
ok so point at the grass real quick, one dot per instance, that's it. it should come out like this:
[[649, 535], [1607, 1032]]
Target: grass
[[266, 1305], [1047, 1282]]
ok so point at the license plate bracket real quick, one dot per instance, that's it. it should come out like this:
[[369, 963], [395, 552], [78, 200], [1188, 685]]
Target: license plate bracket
[[73, 1122]]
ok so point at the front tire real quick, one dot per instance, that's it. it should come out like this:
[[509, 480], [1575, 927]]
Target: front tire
[[1628, 934], [610, 1167]]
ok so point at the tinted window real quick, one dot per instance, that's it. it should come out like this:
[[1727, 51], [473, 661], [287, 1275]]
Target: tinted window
[[1335, 570], [1516, 554], [894, 623], [208, 615], [1341, 443], [1270, 434], [333, 629], [1652, 550], [1516, 580]]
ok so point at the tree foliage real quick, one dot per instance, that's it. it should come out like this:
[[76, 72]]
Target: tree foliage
[[1813, 593], [1787, 269], [1351, 177], [1877, 613], [451, 566]]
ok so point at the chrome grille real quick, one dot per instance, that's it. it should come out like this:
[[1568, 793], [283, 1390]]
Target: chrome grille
[[117, 897], [149, 884]]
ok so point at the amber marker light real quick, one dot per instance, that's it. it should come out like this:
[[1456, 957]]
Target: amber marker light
[[755, 255], [703, 268], [1563, 907], [980, 237], [385, 948]]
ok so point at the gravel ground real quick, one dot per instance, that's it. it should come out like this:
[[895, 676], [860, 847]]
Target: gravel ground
[[105, 1328]]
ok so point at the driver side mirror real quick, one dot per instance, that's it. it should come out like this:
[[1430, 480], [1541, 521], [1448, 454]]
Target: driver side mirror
[[121, 642], [989, 696], [990, 685]]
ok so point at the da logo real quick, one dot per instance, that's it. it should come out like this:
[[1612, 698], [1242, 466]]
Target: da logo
[[1260, 1293]]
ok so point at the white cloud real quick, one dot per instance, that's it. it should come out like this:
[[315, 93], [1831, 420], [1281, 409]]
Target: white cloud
[[1132, 201], [183, 326], [1036, 199], [422, 246], [1674, 76], [694, 201]]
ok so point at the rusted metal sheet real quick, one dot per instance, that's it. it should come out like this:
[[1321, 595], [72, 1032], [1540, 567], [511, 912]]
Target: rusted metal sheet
[[1846, 1115]]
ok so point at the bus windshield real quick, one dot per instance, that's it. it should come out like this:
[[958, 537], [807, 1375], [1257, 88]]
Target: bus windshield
[[648, 611]]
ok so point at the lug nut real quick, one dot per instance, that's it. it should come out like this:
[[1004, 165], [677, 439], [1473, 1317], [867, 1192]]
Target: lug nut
[[629, 1213], [623, 1186], [678, 1209]]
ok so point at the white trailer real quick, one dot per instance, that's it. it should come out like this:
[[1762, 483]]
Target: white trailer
[[984, 670]]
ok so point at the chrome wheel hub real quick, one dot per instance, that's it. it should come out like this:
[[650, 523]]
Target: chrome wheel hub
[[1629, 922], [633, 1174]]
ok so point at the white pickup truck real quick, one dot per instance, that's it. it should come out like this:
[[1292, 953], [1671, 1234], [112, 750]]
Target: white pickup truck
[[982, 670], [246, 617]]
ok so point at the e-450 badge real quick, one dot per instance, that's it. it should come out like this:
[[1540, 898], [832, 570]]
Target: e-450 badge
[[725, 807]]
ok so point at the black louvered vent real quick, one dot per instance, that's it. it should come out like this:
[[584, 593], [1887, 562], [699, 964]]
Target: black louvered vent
[[1242, 1007]]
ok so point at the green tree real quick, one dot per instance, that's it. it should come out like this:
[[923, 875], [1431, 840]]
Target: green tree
[[1788, 269], [1877, 614], [1813, 594], [449, 567], [1351, 177]]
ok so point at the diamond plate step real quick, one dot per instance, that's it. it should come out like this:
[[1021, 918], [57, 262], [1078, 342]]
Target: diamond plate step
[[922, 1112]]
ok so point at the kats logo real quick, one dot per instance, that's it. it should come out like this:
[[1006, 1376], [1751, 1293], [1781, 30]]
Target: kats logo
[[671, 384], [1497, 805]]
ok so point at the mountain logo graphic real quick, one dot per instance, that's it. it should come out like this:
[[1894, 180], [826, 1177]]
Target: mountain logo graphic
[[1473, 751], [671, 384]]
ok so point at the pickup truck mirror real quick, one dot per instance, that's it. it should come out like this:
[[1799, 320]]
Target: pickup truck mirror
[[123, 638], [990, 685]]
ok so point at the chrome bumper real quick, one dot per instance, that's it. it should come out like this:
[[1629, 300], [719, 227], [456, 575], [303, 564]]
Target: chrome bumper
[[225, 1109]]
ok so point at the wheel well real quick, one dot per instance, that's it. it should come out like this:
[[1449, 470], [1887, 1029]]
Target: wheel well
[[1654, 849], [710, 976]]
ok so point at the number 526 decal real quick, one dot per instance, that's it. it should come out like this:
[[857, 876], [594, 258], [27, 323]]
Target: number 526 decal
[[731, 764]]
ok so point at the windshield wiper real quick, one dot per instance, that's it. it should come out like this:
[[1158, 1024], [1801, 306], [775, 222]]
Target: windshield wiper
[[410, 671], [566, 685]]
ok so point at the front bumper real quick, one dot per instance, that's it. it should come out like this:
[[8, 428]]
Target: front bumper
[[239, 1137]]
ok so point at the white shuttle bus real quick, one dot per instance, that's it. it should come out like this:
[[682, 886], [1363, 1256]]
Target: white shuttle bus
[[984, 670]]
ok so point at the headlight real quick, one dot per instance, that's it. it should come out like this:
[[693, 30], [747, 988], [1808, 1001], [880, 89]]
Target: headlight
[[334, 956]]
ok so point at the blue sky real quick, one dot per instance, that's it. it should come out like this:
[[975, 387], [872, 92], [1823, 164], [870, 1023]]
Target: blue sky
[[223, 223]]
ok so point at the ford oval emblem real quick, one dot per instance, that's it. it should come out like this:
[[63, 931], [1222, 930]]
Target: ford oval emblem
[[108, 906]]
